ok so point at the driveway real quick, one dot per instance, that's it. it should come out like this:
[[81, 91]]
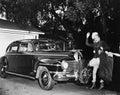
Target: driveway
[[20, 86]]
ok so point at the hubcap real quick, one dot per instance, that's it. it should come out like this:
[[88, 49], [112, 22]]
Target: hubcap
[[3, 68], [45, 78]]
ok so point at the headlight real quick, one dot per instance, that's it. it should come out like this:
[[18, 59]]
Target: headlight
[[64, 64]]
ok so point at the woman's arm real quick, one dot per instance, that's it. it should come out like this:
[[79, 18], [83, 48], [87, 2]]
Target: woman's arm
[[87, 42]]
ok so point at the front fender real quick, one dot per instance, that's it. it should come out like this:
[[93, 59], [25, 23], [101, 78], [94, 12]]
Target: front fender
[[38, 71]]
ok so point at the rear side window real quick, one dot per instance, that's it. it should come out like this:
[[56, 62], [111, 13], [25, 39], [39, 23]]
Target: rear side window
[[12, 48]]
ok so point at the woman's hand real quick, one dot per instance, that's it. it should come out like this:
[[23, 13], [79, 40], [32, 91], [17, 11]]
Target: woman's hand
[[101, 48], [88, 34], [109, 53]]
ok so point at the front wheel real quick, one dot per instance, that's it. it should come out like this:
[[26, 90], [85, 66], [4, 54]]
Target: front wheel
[[45, 80], [85, 75]]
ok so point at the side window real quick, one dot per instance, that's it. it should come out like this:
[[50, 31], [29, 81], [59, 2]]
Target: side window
[[13, 48], [8, 49], [30, 48], [25, 47]]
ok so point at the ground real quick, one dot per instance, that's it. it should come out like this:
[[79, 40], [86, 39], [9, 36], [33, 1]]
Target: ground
[[14, 85]]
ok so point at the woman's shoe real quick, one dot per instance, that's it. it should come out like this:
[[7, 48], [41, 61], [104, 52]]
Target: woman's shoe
[[101, 86], [93, 85]]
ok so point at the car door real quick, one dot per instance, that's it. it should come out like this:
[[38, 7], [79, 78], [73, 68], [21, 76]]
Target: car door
[[25, 58], [12, 57]]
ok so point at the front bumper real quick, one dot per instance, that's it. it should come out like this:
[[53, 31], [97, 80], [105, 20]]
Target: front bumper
[[64, 76]]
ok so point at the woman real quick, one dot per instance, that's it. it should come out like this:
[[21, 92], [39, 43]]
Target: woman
[[102, 60]]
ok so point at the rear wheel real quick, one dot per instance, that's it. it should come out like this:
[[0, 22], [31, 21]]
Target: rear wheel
[[45, 80], [3, 68]]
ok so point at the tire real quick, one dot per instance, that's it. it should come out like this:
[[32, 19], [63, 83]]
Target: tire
[[45, 80], [85, 75], [3, 68]]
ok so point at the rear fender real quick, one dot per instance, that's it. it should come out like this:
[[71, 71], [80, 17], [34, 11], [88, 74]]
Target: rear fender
[[2, 59]]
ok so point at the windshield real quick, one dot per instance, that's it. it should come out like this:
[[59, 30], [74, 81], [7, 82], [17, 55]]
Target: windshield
[[47, 46]]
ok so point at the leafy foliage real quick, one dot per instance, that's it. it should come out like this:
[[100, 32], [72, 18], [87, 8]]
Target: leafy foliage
[[61, 16], [42, 12]]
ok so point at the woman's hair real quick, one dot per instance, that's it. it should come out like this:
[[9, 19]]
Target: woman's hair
[[94, 34]]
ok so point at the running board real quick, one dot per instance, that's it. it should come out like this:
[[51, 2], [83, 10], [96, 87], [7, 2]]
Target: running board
[[25, 76]]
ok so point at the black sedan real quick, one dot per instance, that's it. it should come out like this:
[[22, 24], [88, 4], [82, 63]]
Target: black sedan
[[43, 60]]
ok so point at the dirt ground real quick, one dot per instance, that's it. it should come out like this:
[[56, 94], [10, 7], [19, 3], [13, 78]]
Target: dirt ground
[[20, 86]]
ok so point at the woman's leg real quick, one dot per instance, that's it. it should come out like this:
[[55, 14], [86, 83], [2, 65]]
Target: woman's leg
[[95, 64], [95, 68]]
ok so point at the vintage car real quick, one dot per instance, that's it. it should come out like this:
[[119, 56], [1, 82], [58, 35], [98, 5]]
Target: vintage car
[[43, 60]]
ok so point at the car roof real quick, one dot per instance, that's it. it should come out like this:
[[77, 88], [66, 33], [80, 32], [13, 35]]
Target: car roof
[[33, 40]]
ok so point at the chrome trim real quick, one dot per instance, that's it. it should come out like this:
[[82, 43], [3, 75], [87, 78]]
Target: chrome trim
[[20, 75], [54, 72], [26, 53], [44, 64]]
